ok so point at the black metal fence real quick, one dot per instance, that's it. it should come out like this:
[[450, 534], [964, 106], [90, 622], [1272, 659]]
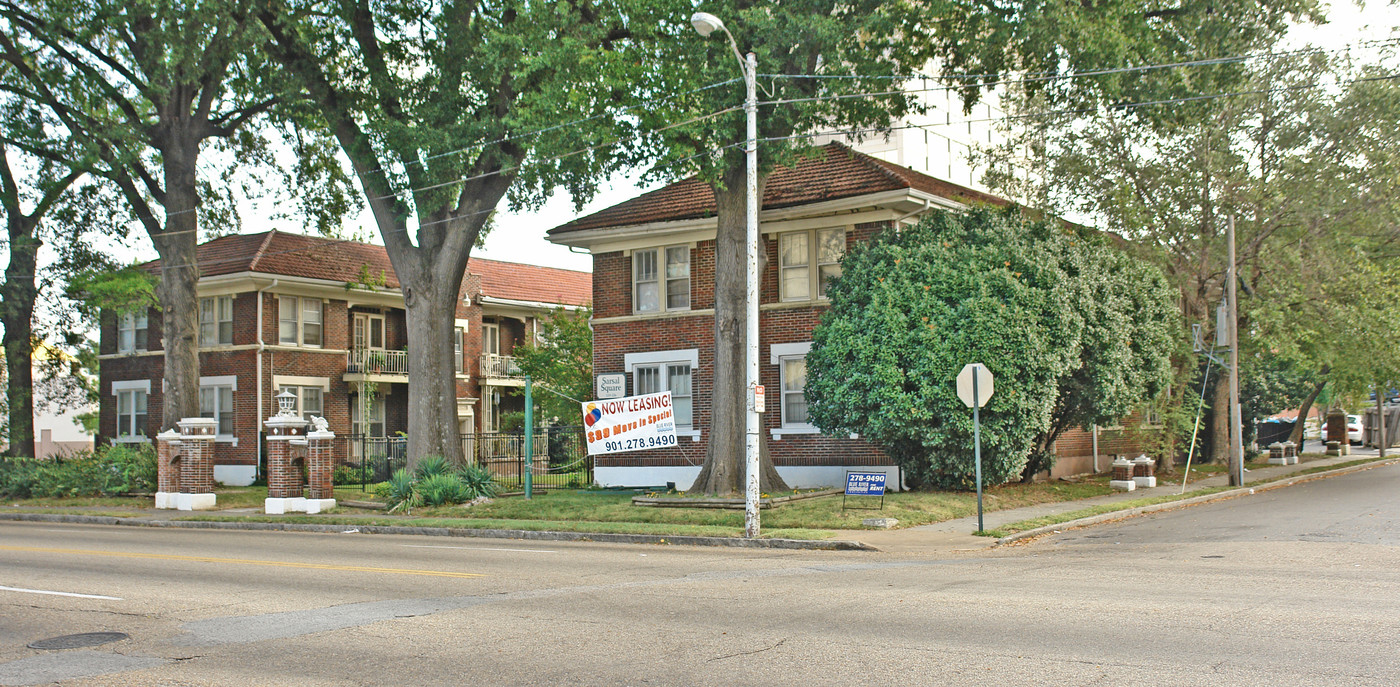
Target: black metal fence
[[559, 457]]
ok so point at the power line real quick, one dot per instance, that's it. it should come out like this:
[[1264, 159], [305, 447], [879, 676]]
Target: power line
[[1052, 76], [554, 158], [564, 125]]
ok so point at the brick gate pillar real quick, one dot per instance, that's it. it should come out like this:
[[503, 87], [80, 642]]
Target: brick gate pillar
[[286, 438], [196, 464], [319, 464], [167, 468]]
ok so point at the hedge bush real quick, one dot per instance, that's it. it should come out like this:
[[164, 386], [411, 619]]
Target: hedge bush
[[108, 471]]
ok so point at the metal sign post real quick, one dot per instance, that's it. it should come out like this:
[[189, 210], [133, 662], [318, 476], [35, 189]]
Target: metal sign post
[[975, 386]]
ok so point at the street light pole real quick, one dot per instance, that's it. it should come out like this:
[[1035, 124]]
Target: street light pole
[[706, 23], [751, 297]]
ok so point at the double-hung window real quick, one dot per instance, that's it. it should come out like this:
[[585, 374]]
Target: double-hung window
[[216, 321], [216, 401], [675, 377], [131, 409], [807, 259], [791, 360], [661, 279], [459, 335], [131, 332], [299, 321], [309, 400], [367, 416], [657, 371]]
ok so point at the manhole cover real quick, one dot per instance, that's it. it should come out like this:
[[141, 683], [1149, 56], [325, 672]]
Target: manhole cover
[[78, 641]]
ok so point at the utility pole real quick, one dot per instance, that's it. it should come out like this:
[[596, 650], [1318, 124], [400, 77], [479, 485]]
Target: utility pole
[[1236, 425]]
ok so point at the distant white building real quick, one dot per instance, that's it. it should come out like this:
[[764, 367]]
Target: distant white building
[[57, 433], [938, 142]]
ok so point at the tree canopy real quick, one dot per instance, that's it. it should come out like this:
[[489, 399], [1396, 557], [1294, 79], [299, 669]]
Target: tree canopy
[[444, 110], [914, 306]]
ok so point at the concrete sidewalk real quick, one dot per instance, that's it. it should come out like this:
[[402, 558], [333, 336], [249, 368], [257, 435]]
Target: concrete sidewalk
[[956, 536], [951, 537]]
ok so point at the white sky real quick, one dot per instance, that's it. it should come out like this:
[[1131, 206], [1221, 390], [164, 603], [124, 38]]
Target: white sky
[[519, 237]]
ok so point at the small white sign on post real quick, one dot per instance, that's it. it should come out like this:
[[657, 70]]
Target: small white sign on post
[[758, 398], [983, 387], [612, 385]]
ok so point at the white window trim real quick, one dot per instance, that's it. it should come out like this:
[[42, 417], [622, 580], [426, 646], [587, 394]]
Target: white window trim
[[121, 327], [661, 302], [777, 353], [291, 380], [279, 381], [228, 381], [301, 321], [132, 385], [685, 355], [813, 262], [217, 321], [630, 361], [465, 325]]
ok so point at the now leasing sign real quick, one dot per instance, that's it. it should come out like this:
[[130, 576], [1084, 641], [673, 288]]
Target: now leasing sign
[[634, 423]]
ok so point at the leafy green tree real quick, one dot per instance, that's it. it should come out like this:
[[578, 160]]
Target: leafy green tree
[[844, 65], [1130, 323], [1299, 167], [138, 91], [1074, 331], [446, 109], [913, 307], [30, 188], [561, 365]]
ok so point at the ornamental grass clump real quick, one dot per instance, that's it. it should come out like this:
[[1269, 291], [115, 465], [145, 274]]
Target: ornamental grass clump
[[434, 483]]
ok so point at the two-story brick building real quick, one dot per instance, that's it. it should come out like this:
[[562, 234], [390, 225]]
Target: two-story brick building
[[324, 320], [653, 299]]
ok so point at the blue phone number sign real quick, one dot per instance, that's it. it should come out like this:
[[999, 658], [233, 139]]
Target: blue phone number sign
[[865, 484]]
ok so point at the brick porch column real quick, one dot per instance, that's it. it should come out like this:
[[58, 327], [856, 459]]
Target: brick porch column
[[167, 468], [196, 463]]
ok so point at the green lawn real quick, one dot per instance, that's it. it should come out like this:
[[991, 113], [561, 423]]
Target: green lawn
[[608, 511]]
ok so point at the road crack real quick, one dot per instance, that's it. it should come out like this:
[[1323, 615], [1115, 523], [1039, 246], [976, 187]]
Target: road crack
[[750, 653]]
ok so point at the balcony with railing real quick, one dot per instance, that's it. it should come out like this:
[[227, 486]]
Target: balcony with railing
[[375, 364], [499, 368]]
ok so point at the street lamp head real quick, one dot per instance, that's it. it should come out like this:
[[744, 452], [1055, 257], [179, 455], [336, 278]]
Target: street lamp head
[[706, 23]]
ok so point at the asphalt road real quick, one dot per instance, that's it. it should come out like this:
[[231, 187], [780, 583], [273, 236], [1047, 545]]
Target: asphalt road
[[1294, 586]]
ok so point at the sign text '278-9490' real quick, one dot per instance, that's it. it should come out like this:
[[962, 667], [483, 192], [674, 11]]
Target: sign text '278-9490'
[[634, 423]]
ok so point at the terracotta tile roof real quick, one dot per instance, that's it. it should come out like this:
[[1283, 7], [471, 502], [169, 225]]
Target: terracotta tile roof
[[519, 282], [838, 172], [315, 257]]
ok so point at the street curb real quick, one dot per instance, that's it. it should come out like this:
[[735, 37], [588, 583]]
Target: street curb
[[608, 538], [1186, 503]]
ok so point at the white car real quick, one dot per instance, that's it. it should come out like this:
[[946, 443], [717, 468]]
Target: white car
[[1354, 431]]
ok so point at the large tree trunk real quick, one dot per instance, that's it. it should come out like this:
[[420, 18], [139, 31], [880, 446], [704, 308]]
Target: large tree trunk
[[724, 468], [432, 385], [17, 297], [179, 302], [1296, 436]]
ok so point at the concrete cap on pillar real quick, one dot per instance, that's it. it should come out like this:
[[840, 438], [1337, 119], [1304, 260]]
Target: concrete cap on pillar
[[198, 426]]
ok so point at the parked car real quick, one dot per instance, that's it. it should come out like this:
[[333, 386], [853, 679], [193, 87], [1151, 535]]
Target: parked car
[[1354, 433]]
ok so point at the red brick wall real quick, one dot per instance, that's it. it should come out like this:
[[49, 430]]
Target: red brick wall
[[612, 297], [337, 322]]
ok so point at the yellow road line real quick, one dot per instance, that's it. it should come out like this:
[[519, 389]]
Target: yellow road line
[[242, 561]]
